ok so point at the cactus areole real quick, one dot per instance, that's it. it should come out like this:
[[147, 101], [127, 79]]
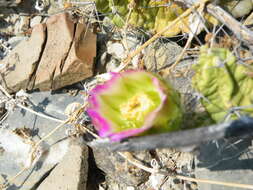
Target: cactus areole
[[134, 103]]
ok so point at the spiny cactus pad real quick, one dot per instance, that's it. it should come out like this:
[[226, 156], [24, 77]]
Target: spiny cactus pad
[[150, 15], [224, 83]]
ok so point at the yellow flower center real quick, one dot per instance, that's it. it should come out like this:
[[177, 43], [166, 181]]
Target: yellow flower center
[[136, 107]]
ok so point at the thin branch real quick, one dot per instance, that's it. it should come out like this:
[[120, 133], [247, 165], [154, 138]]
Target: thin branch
[[50, 133], [242, 127], [128, 156], [241, 32], [244, 186], [40, 114]]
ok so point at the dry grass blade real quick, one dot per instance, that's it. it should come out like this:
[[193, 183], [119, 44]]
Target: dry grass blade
[[124, 41]]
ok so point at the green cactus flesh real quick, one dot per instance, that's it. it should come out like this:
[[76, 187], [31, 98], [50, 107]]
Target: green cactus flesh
[[150, 15], [224, 83]]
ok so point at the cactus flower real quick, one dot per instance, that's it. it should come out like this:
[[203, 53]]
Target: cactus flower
[[134, 103]]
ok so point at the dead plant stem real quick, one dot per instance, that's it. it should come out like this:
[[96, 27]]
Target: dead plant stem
[[40, 114], [124, 41], [128, 157], [50, 133], [191, 36]]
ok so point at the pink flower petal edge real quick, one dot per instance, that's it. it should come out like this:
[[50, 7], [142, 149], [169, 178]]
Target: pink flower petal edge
[[103, 125]]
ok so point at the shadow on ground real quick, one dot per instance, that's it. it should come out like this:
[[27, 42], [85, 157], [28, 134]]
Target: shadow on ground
[[225, 160]]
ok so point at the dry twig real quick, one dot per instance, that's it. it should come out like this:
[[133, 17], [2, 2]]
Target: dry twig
[[241, 32]]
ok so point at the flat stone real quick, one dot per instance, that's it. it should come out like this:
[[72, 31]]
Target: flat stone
[[67, 58], [159, 54], [60, 32], [23, 60], [59, 53], [51, 105], [227, 161], [79, 63], [71, 172]]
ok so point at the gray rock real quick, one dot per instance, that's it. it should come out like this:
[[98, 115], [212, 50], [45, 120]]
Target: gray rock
[[43, 102], [238, 8], [48, 60], [31, 177], [112, 51], [22, 62], [119, 49], [227, 161], [71, 172], [52, 105], [8, 3], [159, 54], [118, 169], [116, 49]]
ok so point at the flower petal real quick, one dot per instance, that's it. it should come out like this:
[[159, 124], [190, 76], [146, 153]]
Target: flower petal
[[130, 103]]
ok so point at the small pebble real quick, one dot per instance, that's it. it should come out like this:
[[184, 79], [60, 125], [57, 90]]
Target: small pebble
[[130, 188], [194, 186], [35, 20]]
